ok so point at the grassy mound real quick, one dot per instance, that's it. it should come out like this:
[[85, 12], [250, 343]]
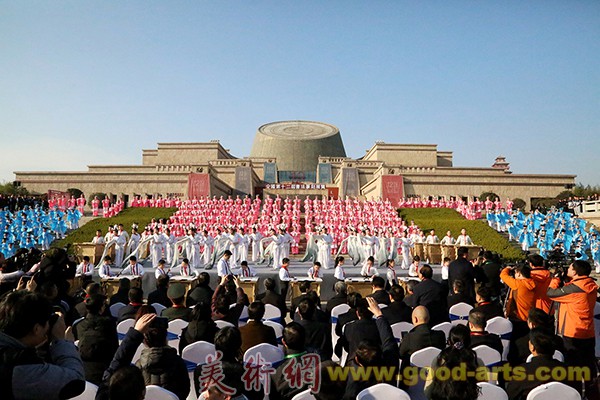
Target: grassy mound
[[140, 215], [443, 219]]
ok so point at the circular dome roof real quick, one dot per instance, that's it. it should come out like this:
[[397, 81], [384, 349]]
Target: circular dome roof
[[297, 145]]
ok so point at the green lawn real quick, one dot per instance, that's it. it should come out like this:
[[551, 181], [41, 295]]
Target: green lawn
[[443, 219], [140, 215]]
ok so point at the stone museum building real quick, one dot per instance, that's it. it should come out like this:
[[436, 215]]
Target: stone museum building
[[301, 158]]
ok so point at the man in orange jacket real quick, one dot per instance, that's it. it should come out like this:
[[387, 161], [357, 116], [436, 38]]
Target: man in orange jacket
[[576, 300], [521, 299], [542, 278]]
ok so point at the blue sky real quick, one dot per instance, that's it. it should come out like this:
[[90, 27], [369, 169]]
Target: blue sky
[[94, 82]]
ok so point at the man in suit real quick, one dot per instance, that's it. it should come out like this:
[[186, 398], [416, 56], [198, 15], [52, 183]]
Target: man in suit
[[430, 294], [397, 311], [160, 295], [458, 295], [462, 269], [318, 334], [542, 348], [364, 328], [479, 336], [293, 345], [491, 268], [136, 300], [420, 336], [178, 310], [379, 293], [304, 287], [255, 332], [270, 296], [340, 297], [485, 305], [350, 315]]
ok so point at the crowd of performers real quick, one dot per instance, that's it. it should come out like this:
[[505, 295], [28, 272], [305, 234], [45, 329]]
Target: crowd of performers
[[268, 232], [555, 233], [34, 227], [471, 210]]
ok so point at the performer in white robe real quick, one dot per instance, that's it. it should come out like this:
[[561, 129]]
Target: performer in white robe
[[169, 245], [156, 249], [255, 237], [134, 241], [208, 246], [324, 241], [405, 244], [120, 242]]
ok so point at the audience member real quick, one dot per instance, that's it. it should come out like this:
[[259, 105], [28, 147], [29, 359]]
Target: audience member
[[270, 296], [458, 294], [202, 293], [160, 295], [484, 303], [379, 293], [136, 300], [200, 328], [255, 332], [293, 341], [429, 293], [462, 269], [420, 336], [397, 311], [178, 310], [358, 330], [121, 296], [317, 334], [340, 297], [479, 336]]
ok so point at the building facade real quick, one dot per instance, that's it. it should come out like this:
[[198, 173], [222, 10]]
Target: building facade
[[290, 158]]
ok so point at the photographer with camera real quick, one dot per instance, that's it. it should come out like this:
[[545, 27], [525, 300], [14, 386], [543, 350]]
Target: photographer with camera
[[576, 300], [519, 300], [542, 278], [27, 321]]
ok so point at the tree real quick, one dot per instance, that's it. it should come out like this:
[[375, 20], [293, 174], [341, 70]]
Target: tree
[[9, 188], [519, 203], [74, 192], [493, 196]]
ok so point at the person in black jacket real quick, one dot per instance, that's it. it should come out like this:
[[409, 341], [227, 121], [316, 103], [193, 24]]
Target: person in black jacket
[[397, 311], [356, 331], [542, 347], [98, 340], [304, 287], [491, 268], [490, 308], [420, 336], [354, 299], [317, 334], [382, 353], [430, 294], [294, 338], [201, 327], [270, 296], [479, 336], [458, 295], [379, 293], [340, 297], [160, 295], [160, 363], [462, 269], [201, 293], [136, 300], [122, 293], [111, 381]]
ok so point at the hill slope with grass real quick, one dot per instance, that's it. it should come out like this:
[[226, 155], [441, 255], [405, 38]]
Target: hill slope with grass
[[140, 215], [443, 219]]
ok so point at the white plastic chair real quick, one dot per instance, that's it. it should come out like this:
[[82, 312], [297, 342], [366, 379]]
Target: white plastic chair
[[272, 313], [223, 324], [444, 327], [158, 307], [197, 352], [138, 353], [335, 313], [459, 313], [399, 327], [175, 327], [383, 391], [123, 326], [268, 353], [553, 391], [491, 392], [278, 328], [305, 395], [115, 308], [422, 359], [154, 392], [487, 355], [503, 328], [89, 392], [557, 356], [243, 315]]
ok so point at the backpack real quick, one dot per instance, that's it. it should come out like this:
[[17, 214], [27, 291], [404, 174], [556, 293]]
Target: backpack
[[11, 357]]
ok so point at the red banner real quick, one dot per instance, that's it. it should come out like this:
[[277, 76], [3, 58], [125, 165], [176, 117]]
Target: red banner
[[198, 185], [392, 188]]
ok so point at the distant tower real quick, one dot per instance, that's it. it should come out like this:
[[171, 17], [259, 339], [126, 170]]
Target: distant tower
[[500, 163]]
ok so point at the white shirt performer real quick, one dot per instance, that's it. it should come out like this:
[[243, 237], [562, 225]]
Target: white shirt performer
[[134, 268], [223, 268], [463, 239], [85, 268]]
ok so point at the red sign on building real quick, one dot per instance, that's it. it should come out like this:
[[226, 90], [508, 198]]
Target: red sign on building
[[198, 185], [392, 188]]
